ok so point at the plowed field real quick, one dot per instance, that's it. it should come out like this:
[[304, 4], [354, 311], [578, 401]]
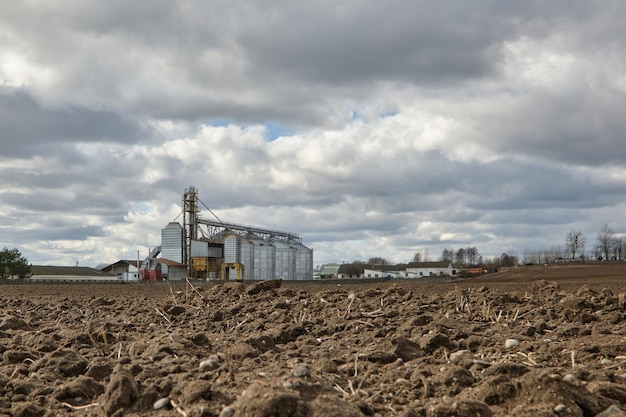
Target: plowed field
[[532, 341]]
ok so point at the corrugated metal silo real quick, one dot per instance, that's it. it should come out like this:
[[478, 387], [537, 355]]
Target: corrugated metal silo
[[285, 260], [232, 246], [247, 257], [304, 261], [264, 258], [172, 242]]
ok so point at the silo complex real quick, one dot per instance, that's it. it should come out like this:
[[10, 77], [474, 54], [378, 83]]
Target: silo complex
[[247, 252]]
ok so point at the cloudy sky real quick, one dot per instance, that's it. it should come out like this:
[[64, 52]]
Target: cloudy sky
[[369, 128]]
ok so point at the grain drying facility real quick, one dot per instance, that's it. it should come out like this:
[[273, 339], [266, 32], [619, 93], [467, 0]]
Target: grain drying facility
[[212, 249]]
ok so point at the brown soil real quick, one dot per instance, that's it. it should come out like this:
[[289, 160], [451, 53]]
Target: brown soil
[[532, 341]]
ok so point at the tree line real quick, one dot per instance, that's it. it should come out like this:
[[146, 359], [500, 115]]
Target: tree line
[[608, 246]]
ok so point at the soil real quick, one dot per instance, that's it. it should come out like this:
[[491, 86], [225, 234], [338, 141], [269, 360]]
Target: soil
[[531, 341]]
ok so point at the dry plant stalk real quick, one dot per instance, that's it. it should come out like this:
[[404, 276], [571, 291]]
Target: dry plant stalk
[[162, 314], [178, 409], [352, 297], [95, 343], [79, 407], [194, 288], [171, 291], [341, 390], [486, 310]]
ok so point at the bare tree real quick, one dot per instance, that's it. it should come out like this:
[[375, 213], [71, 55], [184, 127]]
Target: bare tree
[[421, 255], [377, 260], [471, 254], [619, 248], [447, 255], [460, 256], [575, 242], [508, 260], [605, 241]]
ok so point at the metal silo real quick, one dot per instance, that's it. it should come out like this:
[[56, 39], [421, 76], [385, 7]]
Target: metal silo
[[247, 257], [264, 254], [304, 261], [232, 247], [285, 260], [172, 242]]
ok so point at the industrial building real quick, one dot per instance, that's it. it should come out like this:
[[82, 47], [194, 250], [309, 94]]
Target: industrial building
[[212, 249]]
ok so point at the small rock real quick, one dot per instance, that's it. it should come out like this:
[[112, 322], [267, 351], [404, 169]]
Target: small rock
[[160, 403], [511, 343], [301, 372], [560, 408], [227, 411], [208, 364], [569, 378], [459, 354]]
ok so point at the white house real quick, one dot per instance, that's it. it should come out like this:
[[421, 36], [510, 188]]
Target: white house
[[431, 269]]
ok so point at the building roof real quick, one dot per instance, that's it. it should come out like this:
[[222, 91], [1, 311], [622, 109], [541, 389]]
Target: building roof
[[67, 271], [169, 262], [354, 269], [109, 267], [437, 264]]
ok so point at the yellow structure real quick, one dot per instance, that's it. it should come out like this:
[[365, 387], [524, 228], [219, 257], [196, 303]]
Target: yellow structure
[[235, 265]]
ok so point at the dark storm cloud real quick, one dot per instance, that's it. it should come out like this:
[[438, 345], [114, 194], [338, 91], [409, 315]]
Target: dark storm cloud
[[27, 128], [421, 42]]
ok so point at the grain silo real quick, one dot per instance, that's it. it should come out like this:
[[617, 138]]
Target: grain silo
[[285, 263], [249, 252], [303, 261], [172, 242]]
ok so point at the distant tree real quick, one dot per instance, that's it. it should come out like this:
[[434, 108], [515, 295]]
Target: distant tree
[[605, 241], [619, 248], [460, 256], [377, 260], [471, 254], [12, 263], [575, 243], [508, 260], [447, 255], [421, 255]]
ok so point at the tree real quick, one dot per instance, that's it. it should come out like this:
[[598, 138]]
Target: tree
[[12, 263], [447, 255], [472, 255], [377, 260], [508, 260], [605, 241], [460, 256], [421, 255], [619, 248], [575, 242]]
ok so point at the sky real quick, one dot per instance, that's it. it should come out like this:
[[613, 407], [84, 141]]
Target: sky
[[368, 128]]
